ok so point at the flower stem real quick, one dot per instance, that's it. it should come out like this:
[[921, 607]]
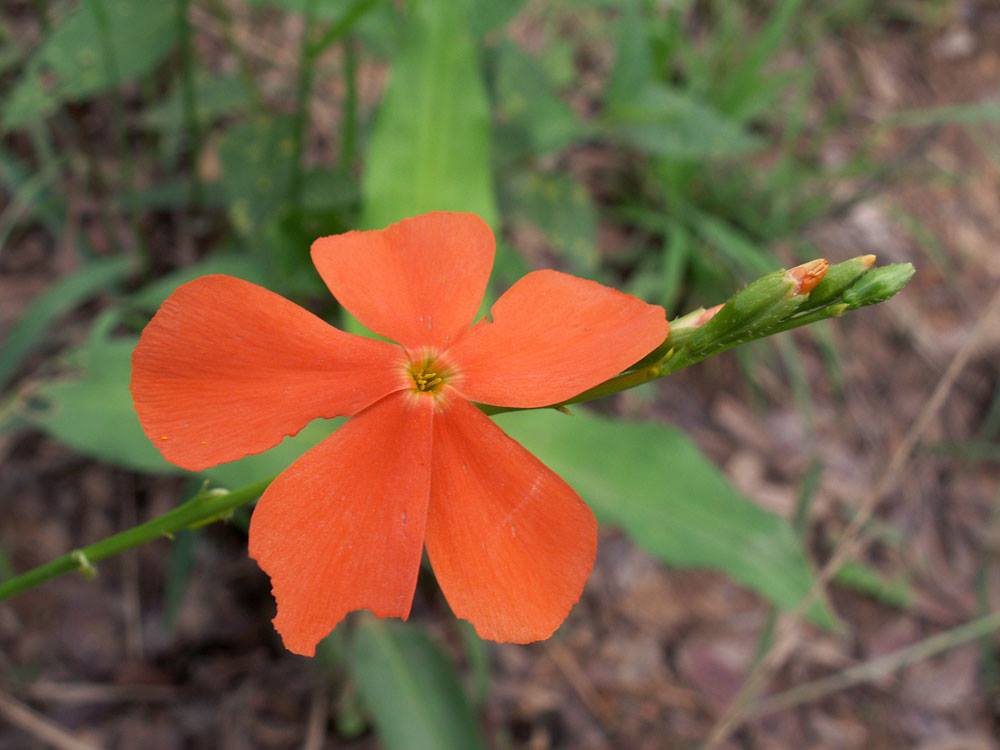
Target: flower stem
[[205, 507]]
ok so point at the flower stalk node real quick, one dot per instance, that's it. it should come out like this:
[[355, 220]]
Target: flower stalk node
[[84, 565]]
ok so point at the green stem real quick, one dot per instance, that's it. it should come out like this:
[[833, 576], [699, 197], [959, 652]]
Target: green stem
[[675, 356], [349, 123], [113, 78], [342, 26], [205, 507], [191, 121], [218, 10], [309, 53], [300, 125]]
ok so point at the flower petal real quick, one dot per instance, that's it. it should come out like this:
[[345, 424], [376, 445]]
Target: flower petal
[[343, 527], [227, 368], [418, 282], [553, 336], [510, 542]]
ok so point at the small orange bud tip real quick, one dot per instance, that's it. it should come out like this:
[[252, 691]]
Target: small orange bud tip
[[808, 275], [707, 315], [867, 260]]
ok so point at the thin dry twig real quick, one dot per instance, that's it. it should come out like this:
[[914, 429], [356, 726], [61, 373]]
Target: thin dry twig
[[875, 669], [38, 726], [851, 541], [95, 692], [581, 684], [319, 711]]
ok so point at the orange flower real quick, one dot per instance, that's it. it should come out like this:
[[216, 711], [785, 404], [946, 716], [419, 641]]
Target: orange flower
[[227, 368]]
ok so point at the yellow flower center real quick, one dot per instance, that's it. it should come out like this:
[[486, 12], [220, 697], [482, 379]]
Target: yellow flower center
[[428, 376]]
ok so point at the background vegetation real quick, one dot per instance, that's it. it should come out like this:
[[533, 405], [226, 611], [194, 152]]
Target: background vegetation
[[674, 149]]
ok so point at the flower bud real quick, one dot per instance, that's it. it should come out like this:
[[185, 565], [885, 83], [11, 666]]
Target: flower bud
[[769, 298], [706, 315], [838, 278], [694, 319], [807, 275], [878, 285]]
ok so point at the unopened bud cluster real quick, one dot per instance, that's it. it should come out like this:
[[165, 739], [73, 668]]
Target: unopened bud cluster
[[777, 302]]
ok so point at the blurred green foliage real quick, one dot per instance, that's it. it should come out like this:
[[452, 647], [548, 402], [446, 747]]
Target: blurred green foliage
[[469, 120], [95, 47]]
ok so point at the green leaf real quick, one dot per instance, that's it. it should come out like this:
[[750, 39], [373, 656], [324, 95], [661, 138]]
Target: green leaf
[[31, 191], [676, 253], [93, 278], [170, 195], [477, 656], [257, 167], [177, 576], [662, 121], [92, 411], [534, 119], [243, 267], [749, 84], [867, 580], [562, 210], [411, 690], [488, 15], [273, 462], [633, 69], [327, 10], [430, 146], [733, 244], [651, 481], [71, 64], [256, 178], [216, 96], [329, 190]]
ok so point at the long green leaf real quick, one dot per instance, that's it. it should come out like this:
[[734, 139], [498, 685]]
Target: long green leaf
[[60, 298], [430, 148], [411, 690], [243, 267], [662, 121], [652, 482]]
